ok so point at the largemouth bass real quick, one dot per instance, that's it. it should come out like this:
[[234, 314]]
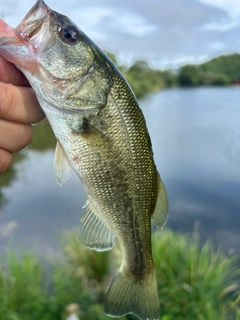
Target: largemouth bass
[[102, 135]]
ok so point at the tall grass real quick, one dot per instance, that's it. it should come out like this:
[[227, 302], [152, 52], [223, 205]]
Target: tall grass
[[22, 295], [195, 282]]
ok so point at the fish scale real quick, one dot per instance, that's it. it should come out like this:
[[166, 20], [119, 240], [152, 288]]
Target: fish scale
[[102, 135], [142, 188]]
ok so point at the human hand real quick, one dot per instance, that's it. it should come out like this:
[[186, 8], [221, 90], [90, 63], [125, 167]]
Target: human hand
[[19, 108]]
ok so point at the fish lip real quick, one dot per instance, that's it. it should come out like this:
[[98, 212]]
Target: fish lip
[[23, 44], [32, 22], [29, 26]]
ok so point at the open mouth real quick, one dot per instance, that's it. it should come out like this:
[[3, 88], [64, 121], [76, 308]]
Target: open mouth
[[29, 31], [32, 21]]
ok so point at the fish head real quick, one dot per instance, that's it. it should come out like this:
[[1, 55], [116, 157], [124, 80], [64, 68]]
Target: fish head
[[62, 64]]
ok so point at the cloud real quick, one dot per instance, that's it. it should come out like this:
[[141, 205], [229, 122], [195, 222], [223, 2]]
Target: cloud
[[220, 27], [165, 33], [232, 7]]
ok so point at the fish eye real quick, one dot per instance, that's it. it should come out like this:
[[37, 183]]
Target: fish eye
[[69, 34]]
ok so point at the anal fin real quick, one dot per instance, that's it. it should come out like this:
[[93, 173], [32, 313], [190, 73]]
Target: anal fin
[[160, 213], [93, 232]]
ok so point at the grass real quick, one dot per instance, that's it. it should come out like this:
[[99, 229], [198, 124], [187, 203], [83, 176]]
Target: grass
[[195, 282], [21, 293]]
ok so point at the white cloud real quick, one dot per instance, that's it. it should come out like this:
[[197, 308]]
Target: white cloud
[[130, 23], [232, 7], [220, 27], [195, 30], [134, 24]]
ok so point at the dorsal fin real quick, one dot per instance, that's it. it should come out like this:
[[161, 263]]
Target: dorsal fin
[[93, 232], [160, 214]]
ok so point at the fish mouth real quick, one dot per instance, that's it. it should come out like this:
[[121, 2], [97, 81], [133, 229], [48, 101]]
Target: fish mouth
[[29, 26], [20, 45], [32, 22]]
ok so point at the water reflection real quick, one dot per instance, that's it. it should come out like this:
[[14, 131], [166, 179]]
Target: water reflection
[[38, 205], [196, 139], [195, 135]]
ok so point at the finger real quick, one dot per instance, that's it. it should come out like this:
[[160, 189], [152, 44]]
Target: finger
[[19, 104], [10, 74], [15, 136], [5, 160]]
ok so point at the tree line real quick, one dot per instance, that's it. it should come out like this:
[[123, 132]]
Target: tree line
[[223, 70]]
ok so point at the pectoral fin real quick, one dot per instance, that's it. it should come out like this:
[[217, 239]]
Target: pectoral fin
[[62, 167], [93, 232], [160, 214]]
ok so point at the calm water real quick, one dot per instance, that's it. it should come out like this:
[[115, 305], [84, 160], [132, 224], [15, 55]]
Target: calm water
[[196, 142]]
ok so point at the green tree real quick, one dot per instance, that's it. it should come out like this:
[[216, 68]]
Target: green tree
[[189, 75]]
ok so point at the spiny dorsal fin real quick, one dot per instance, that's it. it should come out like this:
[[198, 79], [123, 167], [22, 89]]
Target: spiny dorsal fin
[[62, 167], [94, 233], [160, 213]]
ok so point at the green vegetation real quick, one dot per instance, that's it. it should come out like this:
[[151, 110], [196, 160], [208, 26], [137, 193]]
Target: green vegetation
[[223, 70], [43, 138], [195, 282], [144, 79], [227, 67]]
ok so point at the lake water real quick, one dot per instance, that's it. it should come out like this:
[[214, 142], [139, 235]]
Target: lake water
[[196, 142]]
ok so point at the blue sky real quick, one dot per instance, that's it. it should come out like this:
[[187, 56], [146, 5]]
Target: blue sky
[[165, 33]]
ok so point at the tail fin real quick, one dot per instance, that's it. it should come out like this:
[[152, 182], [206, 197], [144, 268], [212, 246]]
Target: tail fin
[[126, 295]]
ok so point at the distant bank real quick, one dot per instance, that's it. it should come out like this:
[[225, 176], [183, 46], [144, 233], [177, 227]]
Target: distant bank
[[223, 70]]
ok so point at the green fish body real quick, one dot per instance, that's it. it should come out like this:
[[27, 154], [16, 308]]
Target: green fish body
[[102, 135]]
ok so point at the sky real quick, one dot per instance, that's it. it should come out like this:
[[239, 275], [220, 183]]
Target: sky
[[167, 34]]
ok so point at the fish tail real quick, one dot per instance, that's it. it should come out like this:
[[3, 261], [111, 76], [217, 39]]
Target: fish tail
[[128, 294]]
